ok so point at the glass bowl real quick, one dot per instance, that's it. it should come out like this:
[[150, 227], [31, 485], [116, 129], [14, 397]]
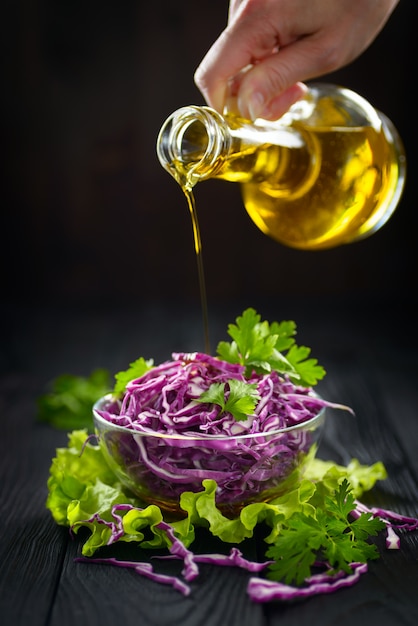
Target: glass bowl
[[158, 467]]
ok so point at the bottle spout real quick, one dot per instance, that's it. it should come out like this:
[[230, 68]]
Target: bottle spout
[[190, 143]]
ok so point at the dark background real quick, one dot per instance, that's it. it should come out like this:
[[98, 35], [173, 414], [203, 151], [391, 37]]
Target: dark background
[[98, 269], [89, 216]]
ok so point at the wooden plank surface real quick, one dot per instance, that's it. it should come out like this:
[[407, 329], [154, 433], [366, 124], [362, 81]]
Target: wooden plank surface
[[41, 584]]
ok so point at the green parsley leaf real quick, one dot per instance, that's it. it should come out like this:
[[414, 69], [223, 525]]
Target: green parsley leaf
[[260, 347], [308, 369], [68, 404], [240, 399], [328, 536], [135, 370], [252, 346]]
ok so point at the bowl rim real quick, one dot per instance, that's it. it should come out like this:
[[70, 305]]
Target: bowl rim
[[99, 420]]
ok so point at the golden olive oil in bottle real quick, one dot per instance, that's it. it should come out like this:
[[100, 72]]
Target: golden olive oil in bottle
[[331, 171]]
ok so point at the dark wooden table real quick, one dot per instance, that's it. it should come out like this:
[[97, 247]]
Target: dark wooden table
[[369, 349]]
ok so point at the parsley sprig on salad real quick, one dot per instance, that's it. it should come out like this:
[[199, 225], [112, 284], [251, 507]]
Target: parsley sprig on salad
[[240, 401], [264, 347]]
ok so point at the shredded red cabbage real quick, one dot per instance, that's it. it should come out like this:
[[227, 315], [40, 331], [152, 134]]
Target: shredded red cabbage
[[262, 590], [247, 459]]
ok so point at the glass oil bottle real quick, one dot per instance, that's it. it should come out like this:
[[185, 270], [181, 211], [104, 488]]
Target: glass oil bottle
[[331, 171]]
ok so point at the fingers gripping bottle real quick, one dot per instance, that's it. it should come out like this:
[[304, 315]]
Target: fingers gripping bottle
[[329, 172]]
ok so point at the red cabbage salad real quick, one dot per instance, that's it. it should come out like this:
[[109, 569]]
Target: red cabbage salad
[[233, 428], [198, 400]]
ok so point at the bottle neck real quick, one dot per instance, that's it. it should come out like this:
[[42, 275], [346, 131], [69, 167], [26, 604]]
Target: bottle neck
[[192, 144]]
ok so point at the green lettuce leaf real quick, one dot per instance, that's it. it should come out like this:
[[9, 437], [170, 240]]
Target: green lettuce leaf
[[82, 492]]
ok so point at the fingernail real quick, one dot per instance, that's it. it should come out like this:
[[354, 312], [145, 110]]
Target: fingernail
[[254, 104]]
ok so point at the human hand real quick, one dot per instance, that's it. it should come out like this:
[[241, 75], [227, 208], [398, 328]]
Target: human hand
[[270, 46]]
